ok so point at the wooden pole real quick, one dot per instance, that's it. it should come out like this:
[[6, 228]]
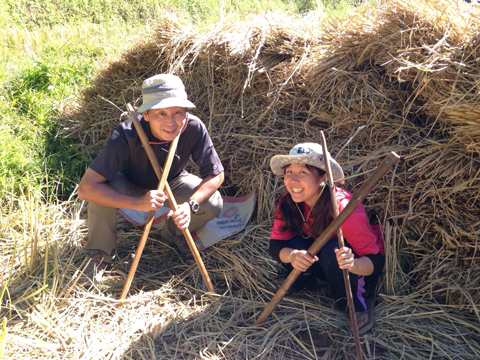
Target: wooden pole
[[158, 170], [356, 200], [149, 221], [341, 244]]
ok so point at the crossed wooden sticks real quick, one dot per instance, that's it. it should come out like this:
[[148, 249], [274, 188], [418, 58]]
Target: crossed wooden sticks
[[335, 226], [163, 185]]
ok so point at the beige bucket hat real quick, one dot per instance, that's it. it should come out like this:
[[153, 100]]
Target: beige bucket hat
[[163, 91], [306, 153]]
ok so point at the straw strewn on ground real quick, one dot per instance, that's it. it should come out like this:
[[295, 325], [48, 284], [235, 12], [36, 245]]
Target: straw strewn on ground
[[402, 77]]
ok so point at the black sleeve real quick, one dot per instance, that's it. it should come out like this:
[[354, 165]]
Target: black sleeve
[[378, 261], [113, 157], [275, 247]]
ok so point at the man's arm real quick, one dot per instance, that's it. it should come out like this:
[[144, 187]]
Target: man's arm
[[93, 188], [205, 189]]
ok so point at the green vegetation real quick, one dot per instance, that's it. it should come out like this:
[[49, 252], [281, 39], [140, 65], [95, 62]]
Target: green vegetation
[[51, 49], [33, 14], [32, 98]]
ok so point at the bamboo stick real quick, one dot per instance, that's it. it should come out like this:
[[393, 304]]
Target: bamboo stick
[[150, 218], [341, 244]]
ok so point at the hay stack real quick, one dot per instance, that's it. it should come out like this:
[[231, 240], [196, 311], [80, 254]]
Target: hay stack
[[402, 77]]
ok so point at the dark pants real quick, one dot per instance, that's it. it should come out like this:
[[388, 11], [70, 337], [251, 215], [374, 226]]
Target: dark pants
[[327, 269]]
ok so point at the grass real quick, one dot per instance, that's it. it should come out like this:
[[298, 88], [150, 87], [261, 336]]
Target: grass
[[49, 51], [52, 49], [33, 13]]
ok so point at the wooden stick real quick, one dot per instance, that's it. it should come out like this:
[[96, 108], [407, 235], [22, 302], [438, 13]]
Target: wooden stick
[[356, 200], [341, 244], [158, 170], [150, 218]]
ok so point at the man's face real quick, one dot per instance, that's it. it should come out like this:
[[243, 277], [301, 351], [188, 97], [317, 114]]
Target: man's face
[[166, 124]]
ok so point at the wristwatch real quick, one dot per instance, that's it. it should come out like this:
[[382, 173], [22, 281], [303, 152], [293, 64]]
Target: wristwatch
[[193, 205]]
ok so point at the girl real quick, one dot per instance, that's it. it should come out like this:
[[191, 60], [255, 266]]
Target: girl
[[304, 211]]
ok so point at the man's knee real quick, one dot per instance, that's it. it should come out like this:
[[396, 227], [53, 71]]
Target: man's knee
[[123, 185], [212, 207]]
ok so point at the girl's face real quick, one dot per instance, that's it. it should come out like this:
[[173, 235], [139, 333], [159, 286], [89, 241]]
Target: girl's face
[[302, 184]]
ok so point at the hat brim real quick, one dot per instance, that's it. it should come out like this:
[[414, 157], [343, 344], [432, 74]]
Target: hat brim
[[165, 103], [278, 162]]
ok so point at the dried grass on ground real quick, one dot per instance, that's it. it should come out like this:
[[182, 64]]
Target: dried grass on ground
[[403, 77]]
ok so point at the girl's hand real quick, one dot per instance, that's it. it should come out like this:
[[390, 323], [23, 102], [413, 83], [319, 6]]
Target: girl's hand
[[301, 260], [345, 258]]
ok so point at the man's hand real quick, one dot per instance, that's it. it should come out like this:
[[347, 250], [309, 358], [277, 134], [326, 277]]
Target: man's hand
[[94, 188], [182, 216], [153, 200], [301, 260]]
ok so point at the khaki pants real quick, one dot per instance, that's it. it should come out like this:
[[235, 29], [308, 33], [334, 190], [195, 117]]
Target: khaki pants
[[102, 220]]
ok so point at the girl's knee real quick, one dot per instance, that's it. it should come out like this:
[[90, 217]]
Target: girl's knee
[[328, 251], [328, 260]]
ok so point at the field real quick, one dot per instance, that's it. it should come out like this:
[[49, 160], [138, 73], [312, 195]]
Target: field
[[390, 76]]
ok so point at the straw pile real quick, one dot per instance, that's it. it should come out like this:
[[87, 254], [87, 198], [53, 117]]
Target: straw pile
[[402, 77]]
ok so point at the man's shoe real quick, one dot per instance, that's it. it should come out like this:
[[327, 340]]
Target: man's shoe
[[182, 246], [179, 242], [93, 270]]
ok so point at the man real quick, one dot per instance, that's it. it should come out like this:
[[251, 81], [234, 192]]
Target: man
[[121, 176]]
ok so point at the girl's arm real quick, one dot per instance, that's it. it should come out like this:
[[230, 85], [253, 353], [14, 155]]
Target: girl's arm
[[300, 259], [360, 266]]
